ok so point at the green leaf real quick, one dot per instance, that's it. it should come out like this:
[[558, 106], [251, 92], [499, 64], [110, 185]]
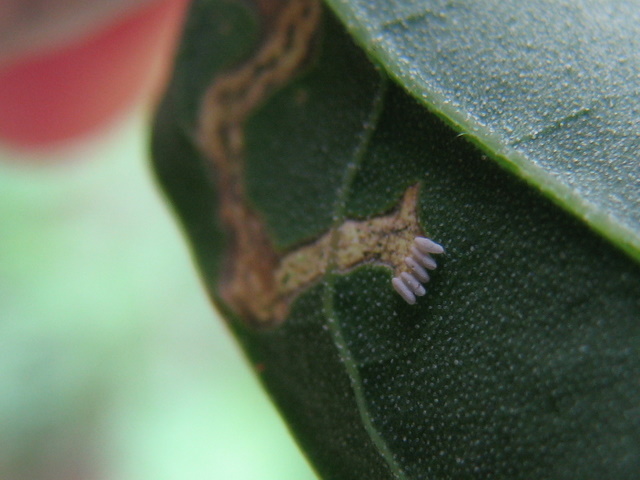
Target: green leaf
[[301, 174], [549, 89]]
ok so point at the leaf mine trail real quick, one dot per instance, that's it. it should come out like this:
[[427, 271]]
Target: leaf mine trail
[[258, 282]]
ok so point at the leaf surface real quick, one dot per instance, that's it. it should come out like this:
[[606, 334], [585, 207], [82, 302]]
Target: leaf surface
[[549, 89], [520, 362]]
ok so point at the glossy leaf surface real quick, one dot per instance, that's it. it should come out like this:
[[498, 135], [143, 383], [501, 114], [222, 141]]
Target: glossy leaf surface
[[550, 89], [520, 362]]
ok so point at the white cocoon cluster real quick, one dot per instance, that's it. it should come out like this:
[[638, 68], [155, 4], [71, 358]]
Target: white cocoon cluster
[[409, 284]]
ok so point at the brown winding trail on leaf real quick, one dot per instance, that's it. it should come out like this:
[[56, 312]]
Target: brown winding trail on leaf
[[258, 282]]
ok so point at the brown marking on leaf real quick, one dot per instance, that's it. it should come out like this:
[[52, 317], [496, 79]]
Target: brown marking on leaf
[[384, 240], [258, 282], [248, 284]]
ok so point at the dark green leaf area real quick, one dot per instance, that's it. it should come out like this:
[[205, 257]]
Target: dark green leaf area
[[304, 373], [300, 143], [522, 361], [185, 176], [217, 36], [548, 88]]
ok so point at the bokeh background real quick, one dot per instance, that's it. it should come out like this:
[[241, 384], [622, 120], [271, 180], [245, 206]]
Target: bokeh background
[[113, 364]]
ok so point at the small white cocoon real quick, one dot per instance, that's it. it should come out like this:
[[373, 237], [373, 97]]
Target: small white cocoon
[[418, 270], [403, 290], [409, 284], [423, 259], [426, 245]]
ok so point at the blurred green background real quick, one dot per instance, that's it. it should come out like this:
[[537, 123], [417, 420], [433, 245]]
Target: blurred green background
[[112, 363]]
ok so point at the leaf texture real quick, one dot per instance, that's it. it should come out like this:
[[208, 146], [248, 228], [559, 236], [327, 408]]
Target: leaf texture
[[522, 361], [550, 89]]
